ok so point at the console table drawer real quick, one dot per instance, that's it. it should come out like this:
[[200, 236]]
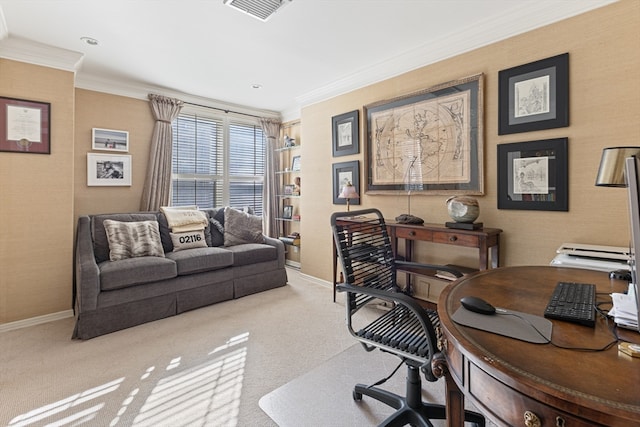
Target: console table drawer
[[510, 406], [456, 239], [414, 233]]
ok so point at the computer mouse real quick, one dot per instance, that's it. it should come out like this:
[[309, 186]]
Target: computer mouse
[[477, 305]]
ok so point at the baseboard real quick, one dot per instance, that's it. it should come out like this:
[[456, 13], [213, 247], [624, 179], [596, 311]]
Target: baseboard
[[19, 324], [293, 264], [318, 281]]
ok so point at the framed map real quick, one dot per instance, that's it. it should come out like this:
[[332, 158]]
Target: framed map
[[428, 142]]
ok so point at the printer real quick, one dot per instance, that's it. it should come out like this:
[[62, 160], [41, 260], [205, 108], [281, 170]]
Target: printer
[[592, 257]]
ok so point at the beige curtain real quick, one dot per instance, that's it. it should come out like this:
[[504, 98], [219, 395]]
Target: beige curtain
[[157, 184], [270, 203]]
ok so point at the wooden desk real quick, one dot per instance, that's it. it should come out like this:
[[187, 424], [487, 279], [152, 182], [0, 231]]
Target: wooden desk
[[505, 377], [486, 240]]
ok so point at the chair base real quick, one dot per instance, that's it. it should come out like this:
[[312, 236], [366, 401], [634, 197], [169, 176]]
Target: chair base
[[411, 409]]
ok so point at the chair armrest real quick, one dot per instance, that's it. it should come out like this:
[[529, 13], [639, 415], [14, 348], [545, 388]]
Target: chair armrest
[[87, 278]]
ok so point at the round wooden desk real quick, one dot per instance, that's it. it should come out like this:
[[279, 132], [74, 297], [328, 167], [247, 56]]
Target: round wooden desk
[[507, 378]]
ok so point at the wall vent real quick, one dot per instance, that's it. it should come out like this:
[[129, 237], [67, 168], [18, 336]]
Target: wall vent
[[260, 9]]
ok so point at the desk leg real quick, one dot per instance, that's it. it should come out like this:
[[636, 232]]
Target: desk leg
[[334, 255], [454, 399]]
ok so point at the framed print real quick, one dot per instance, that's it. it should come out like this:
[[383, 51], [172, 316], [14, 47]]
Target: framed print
[[345, 129], [534, 96], [295, 163], [288, 189], [108, 169], [25, 126], [109, 140], [343, 174], [533, 175], [287, 212], [428, 142]]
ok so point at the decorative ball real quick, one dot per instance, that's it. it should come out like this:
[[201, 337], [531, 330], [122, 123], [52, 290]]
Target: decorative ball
[[463, 208]]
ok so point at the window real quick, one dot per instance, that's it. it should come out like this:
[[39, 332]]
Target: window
[[217, 161]]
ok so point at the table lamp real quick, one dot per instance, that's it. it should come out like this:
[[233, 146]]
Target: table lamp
[[611, 172], [348, 192]]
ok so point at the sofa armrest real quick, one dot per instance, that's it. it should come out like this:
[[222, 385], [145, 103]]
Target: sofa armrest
[[87, 283], [279, 247]]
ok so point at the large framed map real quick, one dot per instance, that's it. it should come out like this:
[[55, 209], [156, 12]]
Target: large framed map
[[428, 142]]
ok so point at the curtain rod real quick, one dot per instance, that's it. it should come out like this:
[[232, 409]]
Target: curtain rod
[[222, 109]]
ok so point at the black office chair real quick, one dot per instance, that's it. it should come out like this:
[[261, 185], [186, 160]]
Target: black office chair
[[406, 329]]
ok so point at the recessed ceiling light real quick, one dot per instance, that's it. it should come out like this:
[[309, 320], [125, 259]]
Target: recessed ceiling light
[[89, 41], [256, 86]]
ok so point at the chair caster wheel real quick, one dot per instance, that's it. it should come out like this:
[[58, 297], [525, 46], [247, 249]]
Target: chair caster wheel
[[357, 396]]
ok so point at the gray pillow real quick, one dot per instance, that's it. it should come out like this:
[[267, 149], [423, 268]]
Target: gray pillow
[[133, 239], [241, 227]]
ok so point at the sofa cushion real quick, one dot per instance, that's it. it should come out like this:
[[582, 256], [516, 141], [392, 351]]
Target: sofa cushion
[[99, 235], [135, 271], [188, 240], [241, 227], [201, 259], [131, 239], [252, 253]]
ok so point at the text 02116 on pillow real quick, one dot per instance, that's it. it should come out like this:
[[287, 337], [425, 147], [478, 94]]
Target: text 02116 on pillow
[[133, 239], [188, 240], [241, 227]]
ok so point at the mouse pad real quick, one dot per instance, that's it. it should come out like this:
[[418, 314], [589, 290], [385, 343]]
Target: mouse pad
[[512, 324]]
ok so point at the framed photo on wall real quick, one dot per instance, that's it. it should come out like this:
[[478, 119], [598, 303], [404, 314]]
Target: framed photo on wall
[[534, 96], [343, 174], [427, 142], [108, 169], [25, 126], [345, 133], [109, 140], [533, 175]]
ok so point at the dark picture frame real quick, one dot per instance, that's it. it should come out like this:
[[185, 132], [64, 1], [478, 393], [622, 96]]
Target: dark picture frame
[[287, 212], [343, 172], [534, 96], [534, 175], [346, 131], [25, 126], [427, 142]]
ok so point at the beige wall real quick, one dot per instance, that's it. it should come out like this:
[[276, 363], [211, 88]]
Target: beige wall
[[36, 202], [604, 104], [100, 110]]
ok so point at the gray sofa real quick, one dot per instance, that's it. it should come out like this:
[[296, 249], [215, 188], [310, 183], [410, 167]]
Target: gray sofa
[[113, 295]]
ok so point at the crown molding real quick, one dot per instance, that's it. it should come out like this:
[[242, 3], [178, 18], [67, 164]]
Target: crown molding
[[24, 50], [482, 33], [4, 30]]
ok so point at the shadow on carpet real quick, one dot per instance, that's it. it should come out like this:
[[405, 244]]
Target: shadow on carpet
[[323, 396]]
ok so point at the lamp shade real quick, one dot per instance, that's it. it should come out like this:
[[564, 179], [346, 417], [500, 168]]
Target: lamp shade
[[611, 171], [348, 192]]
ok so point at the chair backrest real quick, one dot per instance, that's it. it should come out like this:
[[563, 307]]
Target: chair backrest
[[365, 251]]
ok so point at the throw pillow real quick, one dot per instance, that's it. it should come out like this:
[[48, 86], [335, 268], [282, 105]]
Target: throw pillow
[[241, 227], [188, 240], [217, 232], [133, 239]]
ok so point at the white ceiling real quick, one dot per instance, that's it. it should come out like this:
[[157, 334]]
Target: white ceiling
[[308, 51]]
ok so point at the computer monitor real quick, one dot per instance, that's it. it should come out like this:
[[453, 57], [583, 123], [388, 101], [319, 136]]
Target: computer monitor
[[632, 166]]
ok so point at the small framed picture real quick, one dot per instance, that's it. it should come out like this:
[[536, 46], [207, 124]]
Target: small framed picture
[[109, 140], [287, 212], [534, 96], [288, 189], [108, 169], [295, 163], [25, 126], [346, 139], [533, 175], [346, 173]]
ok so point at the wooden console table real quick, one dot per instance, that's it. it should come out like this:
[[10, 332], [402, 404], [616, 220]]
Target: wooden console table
[[510, 380], [486, 240]]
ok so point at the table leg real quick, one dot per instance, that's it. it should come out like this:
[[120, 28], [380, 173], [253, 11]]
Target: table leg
[[454, 399]]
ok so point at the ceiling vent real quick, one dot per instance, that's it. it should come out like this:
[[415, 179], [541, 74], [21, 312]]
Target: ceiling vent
[[260, 9]]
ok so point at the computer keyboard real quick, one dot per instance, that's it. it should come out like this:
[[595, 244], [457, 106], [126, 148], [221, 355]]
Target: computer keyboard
[[573, 302]]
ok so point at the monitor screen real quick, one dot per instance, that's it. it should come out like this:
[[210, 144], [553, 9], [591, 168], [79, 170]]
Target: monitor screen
[[633, 184]]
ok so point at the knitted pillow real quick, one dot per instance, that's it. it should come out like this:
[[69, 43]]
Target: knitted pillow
[[241, 227], [133, 239]]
